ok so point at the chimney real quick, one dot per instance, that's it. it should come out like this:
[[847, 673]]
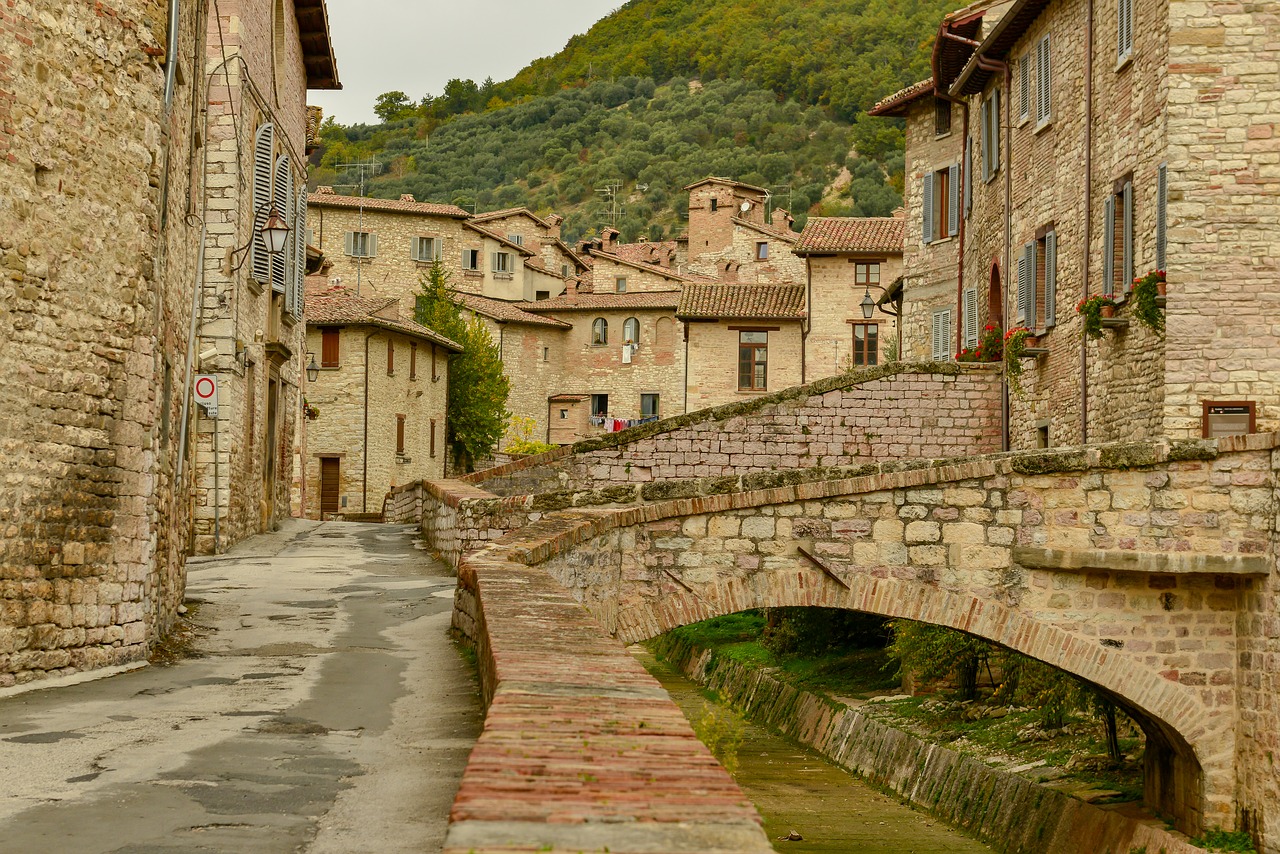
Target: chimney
[[782, 219], [554, 220], [609, 239], [324, 191], [899, 213], [407, 197]]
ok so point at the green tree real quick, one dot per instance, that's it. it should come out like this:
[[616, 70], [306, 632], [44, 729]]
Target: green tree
[[932, 653], [476, 414], [392, 106]]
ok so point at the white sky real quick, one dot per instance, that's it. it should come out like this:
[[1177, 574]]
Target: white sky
[[417, 46]]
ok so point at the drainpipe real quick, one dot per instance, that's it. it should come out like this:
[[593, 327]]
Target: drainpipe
[[965, 178], [1088, 212], [996, 65], [808, 316], [686, 367], [171, 55], [364, 469]]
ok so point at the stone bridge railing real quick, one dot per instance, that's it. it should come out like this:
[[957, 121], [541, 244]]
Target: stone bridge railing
[[1144, 568]]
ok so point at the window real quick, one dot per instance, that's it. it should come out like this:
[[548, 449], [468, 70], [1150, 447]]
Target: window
[[648, 405], [867, 275], [538, 296], [399, 435], [517, 239], [391, 358], [600, 404], [1117, 243], [715, 204], [1124, 30], [942, 335], [413, 360], [1024, 87], [1044, 83], [1162, 216], [425, 248], [471, 259], [941, 116], [866, 344], [620, 285], [600, 331], [1038, 282], [546, 354], [361, 244], [564, 270], [564, 414], [329, 347], [762, 251], [753, 361], [990, 121], [434, 376], [941, 204], [502, 262], [433, 437], [631, 331]]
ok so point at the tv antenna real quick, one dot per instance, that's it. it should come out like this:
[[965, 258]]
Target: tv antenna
[[614, 209], [367, 169]]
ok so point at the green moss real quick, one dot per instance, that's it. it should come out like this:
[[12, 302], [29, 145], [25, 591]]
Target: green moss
[[720, 485], [548, 501], [1183, 450], [1048, 462], [666, 490], [1128, 455]]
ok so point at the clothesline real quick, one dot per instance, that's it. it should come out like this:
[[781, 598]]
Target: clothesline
[[613, 425]]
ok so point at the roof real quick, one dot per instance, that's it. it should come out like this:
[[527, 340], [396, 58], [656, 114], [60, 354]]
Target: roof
[[973, 79], [401, 205], [665, 272], [505, 312], [317, 48], [730, 182], [605, 302], [769, 231], [644, 253], [950, 54], [328, 306], [510, 212], [895, 104], [501, 238], [568, 398], [757, 302], [839, 234]]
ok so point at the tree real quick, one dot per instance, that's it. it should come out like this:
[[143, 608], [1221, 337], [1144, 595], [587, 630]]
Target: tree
[[931, 653], [392, 106], [476, 414]]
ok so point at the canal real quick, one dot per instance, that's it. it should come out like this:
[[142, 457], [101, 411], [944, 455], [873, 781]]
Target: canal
[[797, 790]]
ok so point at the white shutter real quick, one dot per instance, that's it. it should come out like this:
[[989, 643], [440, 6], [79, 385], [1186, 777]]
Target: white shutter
[[968, 176], [349, 243], [495, 262], [415, 248], [1044, 81], [1127, 270], [280, 204], [1051, 279], [1109, 246], [1162, 215], [437, 249], [971, 334], [942, 335], [300, 268], [1022, 288], [953, 199], [263, 161], [1124, 28], [372, 251], [927, 225]]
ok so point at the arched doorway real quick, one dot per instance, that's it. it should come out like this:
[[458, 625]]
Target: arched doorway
[[995, 299]]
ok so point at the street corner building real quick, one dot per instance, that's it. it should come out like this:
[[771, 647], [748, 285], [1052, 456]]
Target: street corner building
[[145, 148]]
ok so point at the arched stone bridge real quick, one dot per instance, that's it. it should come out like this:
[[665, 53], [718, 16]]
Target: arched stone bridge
[[1146, 569]]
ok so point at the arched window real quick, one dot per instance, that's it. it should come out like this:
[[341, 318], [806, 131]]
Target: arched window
[[631, 331], [600, 331]]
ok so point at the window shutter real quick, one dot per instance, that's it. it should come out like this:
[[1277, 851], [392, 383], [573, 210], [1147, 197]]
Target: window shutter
[[1022, 288], [437, 249], [1162, 215], [953, 199], [300, 266], [495, 262], [938, 337], [1051, 279], [1127, 270], [415, 248], [1124, 28], [1109, 247], [349, 243], [373, 245], [1044, 81], [995, 131], [263, 160], [1024, 86], [1032, 316], [927, 230], [280, 199], [968, 176], [466, 259], [971, 317], [986, 139]]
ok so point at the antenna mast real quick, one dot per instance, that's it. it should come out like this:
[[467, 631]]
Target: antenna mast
[[366, 169]]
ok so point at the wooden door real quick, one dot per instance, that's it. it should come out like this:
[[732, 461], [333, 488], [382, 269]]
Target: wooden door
[[328, 486]]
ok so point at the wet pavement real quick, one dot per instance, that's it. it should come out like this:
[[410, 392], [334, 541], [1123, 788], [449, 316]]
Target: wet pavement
[[326, 711]]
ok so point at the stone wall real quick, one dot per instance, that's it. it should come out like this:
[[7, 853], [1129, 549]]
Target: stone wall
[[1012, 814], [713, 360], [832, 287], [890, 412]]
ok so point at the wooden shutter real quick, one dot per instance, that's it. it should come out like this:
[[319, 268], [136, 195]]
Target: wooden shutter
[[391, 356], [1044, 81], [927, 225], [985, 123], [1051, 279], [995, 131], [1109, 246], [415, 248], [263, 161], [280, 199], [1162, 215], [1022, 287], [971, 334], [1124, 28], [349, 243], [1126, 282], [953, 199], [968, 176], [329, 348], [372, 251], [1029, 251], [300, 262], [495, 262], [400, 435], [942, 335]]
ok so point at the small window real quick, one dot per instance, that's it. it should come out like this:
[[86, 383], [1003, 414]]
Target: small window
[[413, 360], [631, 331], [538, 296], [329, 347], [426, 249], [867, 275], [1124, 30], [648, 405], [753, 361], [517, 239], [620, 285], [391, 358], [400, 435], [715, 204], [866, 344], [433, 437], [762, 251], [600, 331], [546, 354], [471, 259], [361, 244], [600, 405], [564, 270], [941, 204], [434, 376], [502, 262], [941, 116], [564, 414]]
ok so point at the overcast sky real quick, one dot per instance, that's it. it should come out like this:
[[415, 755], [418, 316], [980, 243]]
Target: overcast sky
[[416, 46]]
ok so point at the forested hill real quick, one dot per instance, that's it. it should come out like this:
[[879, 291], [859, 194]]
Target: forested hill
[[654, 96]]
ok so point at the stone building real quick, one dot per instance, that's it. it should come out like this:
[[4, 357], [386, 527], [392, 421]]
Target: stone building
[[260, 59], [376, 412]]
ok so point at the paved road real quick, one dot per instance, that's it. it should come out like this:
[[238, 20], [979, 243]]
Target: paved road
[[327, 712]]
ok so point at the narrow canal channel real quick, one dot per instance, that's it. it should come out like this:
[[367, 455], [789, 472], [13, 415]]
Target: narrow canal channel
[[797, 790]]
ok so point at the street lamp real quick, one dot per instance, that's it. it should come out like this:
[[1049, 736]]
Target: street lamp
[[313, 370], [275, 232], [868, 305]]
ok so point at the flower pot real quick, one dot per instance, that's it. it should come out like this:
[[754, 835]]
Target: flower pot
[[1031, 341], [1107, 310], [1160, 288]]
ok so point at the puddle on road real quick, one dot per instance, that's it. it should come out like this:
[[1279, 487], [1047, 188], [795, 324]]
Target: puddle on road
[[795, 789]]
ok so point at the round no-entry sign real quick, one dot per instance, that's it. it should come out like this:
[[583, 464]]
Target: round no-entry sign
[[206, 392]]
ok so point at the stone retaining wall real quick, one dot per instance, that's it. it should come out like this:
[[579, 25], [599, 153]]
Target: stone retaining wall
[[1004, 810]]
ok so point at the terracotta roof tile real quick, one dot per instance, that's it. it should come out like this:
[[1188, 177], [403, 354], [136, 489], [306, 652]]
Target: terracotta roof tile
[[506, 312], [850, 234], [759, 302], [892, 105], [510, 212], [333, 200], [644, 253], [329, 305], [602, 302], [768, 230]]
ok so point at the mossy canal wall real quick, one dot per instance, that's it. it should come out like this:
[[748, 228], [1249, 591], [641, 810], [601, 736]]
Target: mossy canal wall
[[1004, 810]]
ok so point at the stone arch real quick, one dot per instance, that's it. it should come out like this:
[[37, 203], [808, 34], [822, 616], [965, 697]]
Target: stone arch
[[995, 297]]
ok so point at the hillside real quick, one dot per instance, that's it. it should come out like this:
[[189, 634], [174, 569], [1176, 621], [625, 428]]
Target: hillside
[[654, 96]]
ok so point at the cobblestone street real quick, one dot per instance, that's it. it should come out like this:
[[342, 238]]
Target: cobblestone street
[[324, 709]]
